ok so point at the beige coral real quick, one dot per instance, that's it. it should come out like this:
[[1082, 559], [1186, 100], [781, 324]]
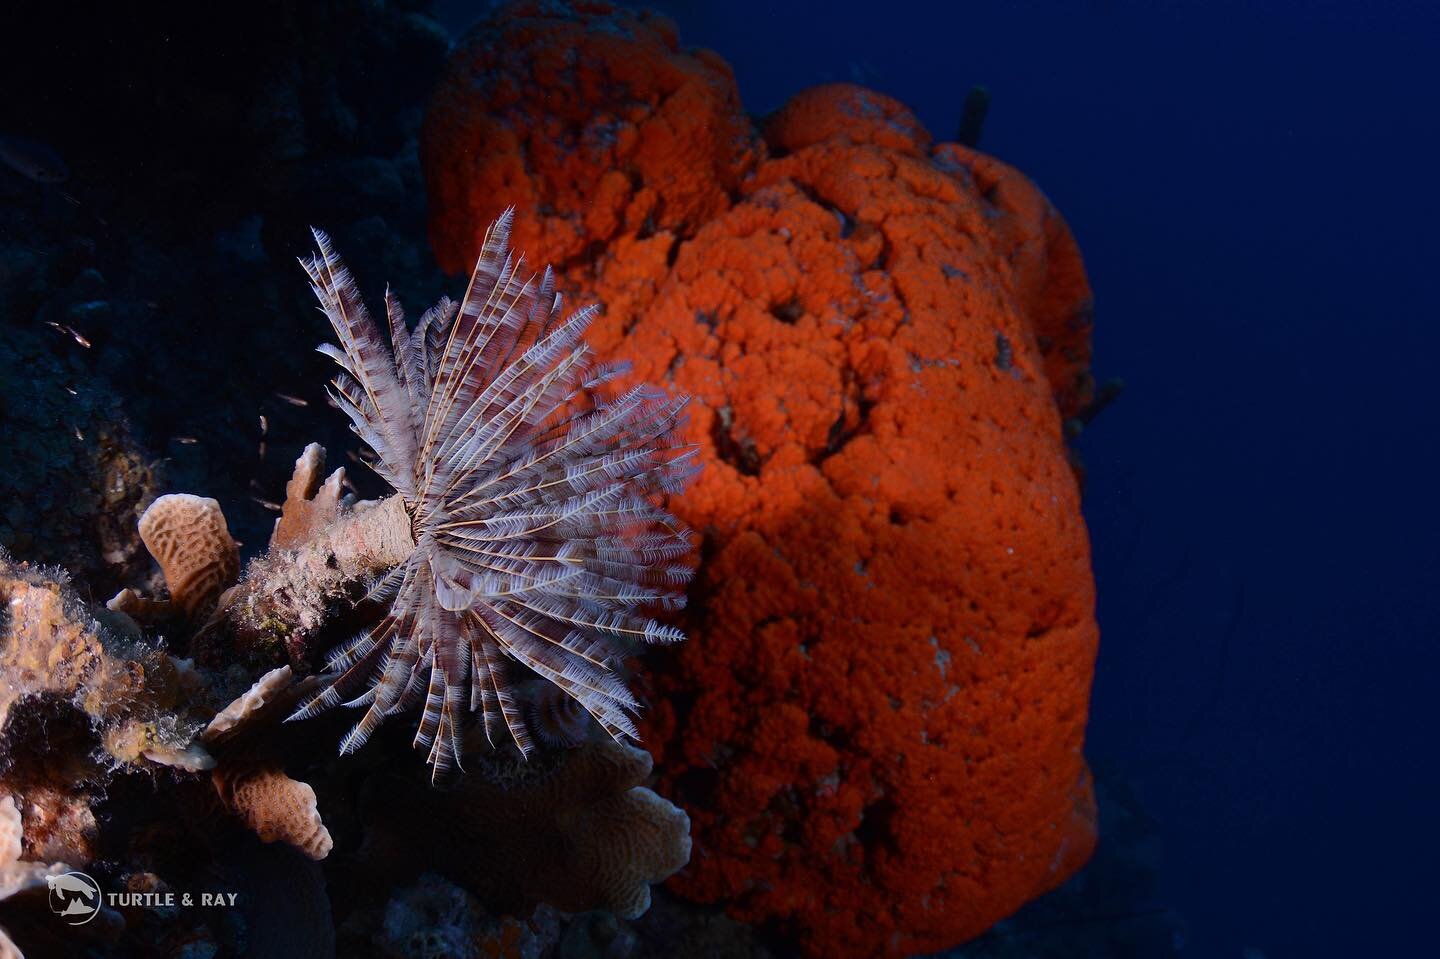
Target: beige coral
[[321, 547], [190, 540], [250, 781], [266, 692], [275, 806], [575, 829], [310, 505]]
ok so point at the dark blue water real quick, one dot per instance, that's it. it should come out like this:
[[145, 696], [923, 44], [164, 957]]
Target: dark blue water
[[1254, 188]]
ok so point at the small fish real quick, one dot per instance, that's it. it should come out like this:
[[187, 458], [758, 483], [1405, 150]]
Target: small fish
[[264, 425], [79, 435], [186, 440], [32, 160], [292, 400], [70, 391], [272, 507], [262, 449], [72, 332]]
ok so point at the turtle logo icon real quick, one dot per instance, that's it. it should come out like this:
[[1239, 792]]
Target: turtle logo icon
[[74, 897]]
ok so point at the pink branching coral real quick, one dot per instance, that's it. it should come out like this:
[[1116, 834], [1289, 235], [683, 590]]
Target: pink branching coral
[[534, 504]]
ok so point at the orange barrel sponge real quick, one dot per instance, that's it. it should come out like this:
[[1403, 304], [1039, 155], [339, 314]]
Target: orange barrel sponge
[[876, 726]]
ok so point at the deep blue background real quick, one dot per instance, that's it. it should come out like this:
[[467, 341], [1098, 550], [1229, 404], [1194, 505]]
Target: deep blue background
[[1254, 189]]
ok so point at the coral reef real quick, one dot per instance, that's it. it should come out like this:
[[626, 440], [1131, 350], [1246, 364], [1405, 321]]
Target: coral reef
[[574, 827], [132, 305], [877, 735], [878, 729]]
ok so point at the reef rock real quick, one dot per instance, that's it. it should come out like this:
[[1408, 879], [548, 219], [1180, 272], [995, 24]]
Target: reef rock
[[877, 726], [17, 876], [65, 672], [575, 829]]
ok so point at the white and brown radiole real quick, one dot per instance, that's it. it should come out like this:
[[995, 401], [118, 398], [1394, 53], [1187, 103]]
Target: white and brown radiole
[[534, 500]]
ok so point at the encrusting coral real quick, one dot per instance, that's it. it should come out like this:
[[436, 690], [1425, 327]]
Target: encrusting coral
[[54, 652], [81, 702], [877, 730], [321, 549], [574, 828]]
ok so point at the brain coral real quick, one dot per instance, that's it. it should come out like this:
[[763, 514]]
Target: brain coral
[[877, 727]]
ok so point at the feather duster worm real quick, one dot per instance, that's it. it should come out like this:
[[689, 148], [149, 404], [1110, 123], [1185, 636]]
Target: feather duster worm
[[534, 504]]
